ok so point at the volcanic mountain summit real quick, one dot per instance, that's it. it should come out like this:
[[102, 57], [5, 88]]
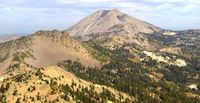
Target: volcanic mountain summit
[[105, 20]]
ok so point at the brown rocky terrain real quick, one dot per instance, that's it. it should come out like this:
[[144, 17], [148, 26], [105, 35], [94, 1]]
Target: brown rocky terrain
[[25, 85], [107, 21], [44, 48]]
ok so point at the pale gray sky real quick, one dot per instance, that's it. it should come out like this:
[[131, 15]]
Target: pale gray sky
[[28, 16]]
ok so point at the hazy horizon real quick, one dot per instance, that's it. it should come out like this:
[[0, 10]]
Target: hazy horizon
[[26, 17]]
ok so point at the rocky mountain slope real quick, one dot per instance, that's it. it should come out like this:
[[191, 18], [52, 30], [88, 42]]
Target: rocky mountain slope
[[106, 21], [106, 57], [113, 29], [25, 83], [44, 48]]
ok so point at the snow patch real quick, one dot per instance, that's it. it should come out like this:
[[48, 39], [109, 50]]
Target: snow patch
[[180, 62], [193, 86], [168, 60], [169, 33]]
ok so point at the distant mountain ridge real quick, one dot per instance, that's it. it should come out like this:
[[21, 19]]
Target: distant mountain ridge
[[105, 20], [4, 38]]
